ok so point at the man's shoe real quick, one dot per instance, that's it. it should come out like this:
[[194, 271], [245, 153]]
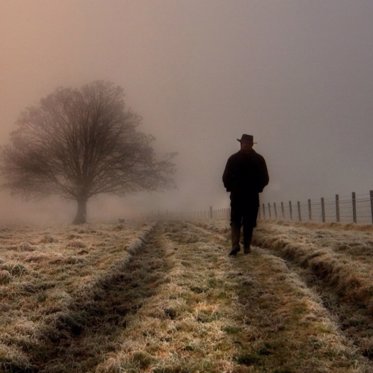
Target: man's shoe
[[234, 251], [247, 250]]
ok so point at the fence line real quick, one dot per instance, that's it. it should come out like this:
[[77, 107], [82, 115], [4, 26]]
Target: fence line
[[354, 209]]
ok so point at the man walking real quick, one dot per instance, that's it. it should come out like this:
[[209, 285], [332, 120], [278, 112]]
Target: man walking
[[245, 176]]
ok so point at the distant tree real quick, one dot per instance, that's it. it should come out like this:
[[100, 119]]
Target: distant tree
[[78, 143]]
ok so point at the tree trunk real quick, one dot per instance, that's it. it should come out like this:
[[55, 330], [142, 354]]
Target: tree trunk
[[81, 215]]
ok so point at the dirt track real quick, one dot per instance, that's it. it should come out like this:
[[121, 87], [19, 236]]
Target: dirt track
[[180, 304]]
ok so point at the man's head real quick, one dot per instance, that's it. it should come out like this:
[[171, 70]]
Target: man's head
[[247, 141]]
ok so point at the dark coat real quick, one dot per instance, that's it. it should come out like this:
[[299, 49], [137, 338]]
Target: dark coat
[[245, 173]]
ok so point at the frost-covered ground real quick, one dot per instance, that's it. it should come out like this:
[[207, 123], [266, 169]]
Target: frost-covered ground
[[43, 272], [334, 260], [77, 299]]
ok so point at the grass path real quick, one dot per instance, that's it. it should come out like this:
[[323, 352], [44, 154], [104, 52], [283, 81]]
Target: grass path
[[343, 287], [181, 305], [220, 314], [47, 272], [336, 266], [78, 339]]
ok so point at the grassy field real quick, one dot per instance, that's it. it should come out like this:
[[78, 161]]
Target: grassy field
[[166, 298]]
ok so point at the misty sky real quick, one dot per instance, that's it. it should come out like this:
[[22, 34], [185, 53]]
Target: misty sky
[[296, 74]]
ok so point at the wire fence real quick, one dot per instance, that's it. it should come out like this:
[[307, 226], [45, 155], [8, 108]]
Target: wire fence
[[346, 209], [352, 209]]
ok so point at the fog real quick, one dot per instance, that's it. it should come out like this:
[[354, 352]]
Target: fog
[[298, 75]]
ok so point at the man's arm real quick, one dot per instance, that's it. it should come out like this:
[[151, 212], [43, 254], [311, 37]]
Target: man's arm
[[264, 174], [227, 177]]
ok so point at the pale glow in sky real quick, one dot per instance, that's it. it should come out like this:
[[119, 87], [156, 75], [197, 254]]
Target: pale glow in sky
[[298, 75]]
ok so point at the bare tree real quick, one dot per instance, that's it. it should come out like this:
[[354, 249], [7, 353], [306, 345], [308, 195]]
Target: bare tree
[[79, 143]]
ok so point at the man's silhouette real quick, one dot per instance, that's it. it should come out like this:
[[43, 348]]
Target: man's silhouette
[[245, 176]]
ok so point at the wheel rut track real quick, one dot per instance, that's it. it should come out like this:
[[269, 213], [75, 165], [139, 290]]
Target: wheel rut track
[[353, 319], [195, 270], [102, 315]]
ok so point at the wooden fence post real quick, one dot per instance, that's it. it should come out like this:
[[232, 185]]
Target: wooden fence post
[[290, 210], [309, 209], [322, 209], [299, 212], [211, 213], [371, 203], [275, 209], [337, 210], [269, 211], [354, 217], [264, 211], [282, 210]]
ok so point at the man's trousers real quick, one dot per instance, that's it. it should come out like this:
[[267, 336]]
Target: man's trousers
[[244, 212]]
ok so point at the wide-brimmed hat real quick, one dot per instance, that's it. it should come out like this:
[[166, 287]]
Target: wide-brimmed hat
[[247, 138]]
